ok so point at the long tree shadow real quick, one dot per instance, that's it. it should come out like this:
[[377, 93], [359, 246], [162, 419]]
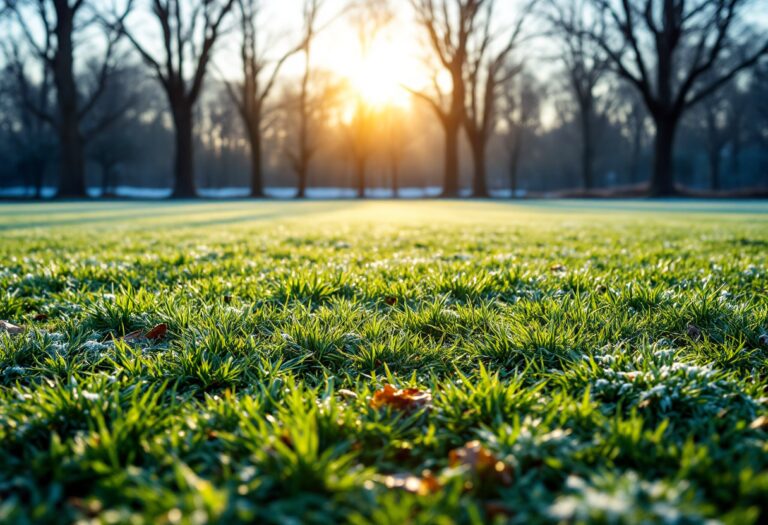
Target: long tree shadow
[[182, 214]]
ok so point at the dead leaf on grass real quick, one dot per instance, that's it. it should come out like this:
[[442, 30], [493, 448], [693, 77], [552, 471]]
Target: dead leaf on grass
[[401, 399], [481, 461], [158, 332], [422, 485], [155, 334]]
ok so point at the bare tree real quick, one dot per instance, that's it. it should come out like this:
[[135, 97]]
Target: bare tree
[[719, 124], [585, 65], [522, 98], [118, 145], [301, 159], [673, 51], [259, 76], [51, 29], [487, 70], [26, 102], [396, 144], [369, 18], [632, 116], [448, 25], [189, 32]]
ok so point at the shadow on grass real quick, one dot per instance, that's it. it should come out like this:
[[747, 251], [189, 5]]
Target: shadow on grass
[[173, 214]]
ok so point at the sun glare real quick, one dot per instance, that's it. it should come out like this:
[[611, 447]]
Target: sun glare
[[378, 78]]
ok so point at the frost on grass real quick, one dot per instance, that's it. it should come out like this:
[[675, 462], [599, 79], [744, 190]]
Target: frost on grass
[[544, 368], [628, 499], [657, 380]]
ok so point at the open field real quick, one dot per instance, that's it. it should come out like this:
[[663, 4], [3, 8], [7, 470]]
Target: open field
[[575, 362]]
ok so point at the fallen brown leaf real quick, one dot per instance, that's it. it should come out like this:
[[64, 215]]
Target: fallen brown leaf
[[557, 268], [40, 317], [423, 485], [158, 332], [481, 461], [391, 301], [155, 334], [401, 399], [12, 329]]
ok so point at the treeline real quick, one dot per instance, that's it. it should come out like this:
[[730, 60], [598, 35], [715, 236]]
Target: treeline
[[650, 96]]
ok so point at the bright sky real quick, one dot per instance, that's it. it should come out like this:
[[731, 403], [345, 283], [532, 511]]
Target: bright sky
[[394, 60]]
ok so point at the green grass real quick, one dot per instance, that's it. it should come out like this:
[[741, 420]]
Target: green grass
[[608, 356]]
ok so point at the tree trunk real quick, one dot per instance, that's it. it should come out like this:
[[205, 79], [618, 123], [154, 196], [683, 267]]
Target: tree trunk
[[714, 168], [184, 171], [479, 184], [72, 161], [662, 179], [107, 182], [257, 183], [302, 172], [71, 146], [587, 147], [360, 166], [634, 158], [451, 173], [395, 179], [736, 153], [514, 161]]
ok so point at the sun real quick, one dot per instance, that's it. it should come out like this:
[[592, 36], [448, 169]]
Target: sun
[[380, 78]]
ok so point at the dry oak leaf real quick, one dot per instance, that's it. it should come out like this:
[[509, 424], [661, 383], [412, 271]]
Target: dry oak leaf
[[423, 486], [12, 329], [155, 334], [481, 461], [401, 398], [158, 332]]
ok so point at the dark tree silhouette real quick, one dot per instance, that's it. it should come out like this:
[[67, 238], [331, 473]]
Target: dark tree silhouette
[[189, 33], [487, 69], [673, 52], [397, 137], [719, 123], [633, 118], [585, 64], [301, 159], [52, 39], [522, 100], [259, 77], [25, 103], [448, 25], [369, 17]]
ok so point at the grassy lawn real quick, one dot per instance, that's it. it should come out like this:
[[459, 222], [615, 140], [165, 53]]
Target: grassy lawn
[[574, 362]]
